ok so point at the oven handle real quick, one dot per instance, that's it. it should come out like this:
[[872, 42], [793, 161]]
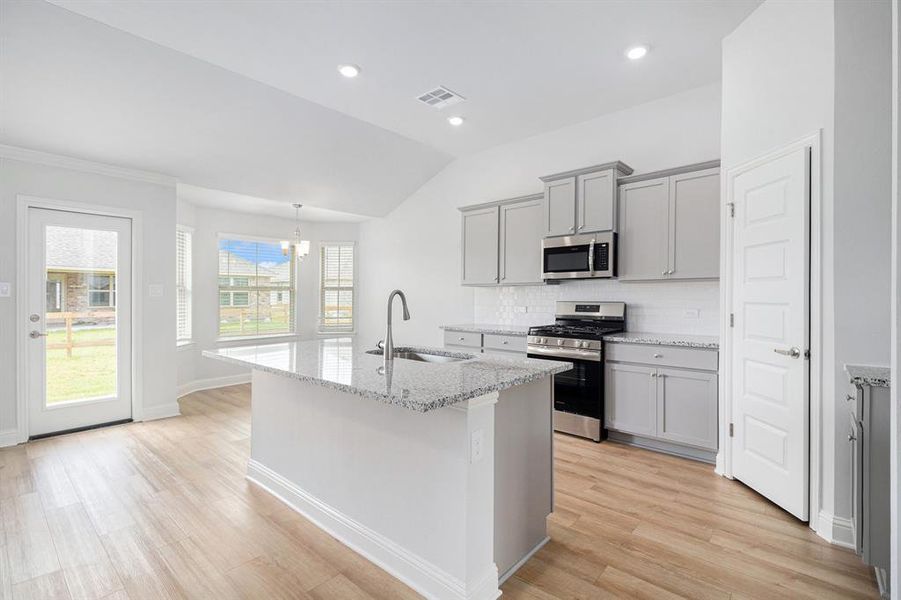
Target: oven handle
[[571, 353]]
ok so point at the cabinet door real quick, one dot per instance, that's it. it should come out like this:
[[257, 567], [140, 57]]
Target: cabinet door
[[644, 229], [695, 225], [687, 407], [560, 206], [630, 398], [480, 246], [520, 241], [596, 202]]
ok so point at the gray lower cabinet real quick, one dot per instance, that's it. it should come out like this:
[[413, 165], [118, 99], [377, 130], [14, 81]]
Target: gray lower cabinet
[[630, 394], [502, 242], [492, 344], [668, 402], [480, 246], [686, 407], [669, 224], [521, 225]]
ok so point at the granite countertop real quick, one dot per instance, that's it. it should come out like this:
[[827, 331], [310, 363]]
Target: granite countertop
[[520, 330], [870, 375], [710, 342], [343, 364]]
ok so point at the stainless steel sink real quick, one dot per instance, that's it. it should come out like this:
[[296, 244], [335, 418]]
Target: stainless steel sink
[[424, 356]]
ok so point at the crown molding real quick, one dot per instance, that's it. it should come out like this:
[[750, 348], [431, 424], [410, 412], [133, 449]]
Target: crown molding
[[87, 166]]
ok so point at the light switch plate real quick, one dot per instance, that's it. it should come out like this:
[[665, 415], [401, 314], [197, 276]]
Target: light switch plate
[[4, 289], [155, 290], [691, 313], [521, 309]]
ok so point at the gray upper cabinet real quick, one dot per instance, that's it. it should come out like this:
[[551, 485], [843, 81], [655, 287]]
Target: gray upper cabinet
[[521, 227], [582, 200], [560, 201], [596, 202], [644, 229], [480, 246], [669, 224], [694, 233], [502, 242], [687, 407]]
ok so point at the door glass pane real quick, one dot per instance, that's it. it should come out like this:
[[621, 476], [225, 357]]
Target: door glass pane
[[80, 314]]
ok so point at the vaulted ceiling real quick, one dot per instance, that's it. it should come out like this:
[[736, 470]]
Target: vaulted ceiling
[[244, 96]]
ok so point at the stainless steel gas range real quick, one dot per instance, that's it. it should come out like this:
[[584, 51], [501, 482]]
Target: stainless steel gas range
[[577, 337]]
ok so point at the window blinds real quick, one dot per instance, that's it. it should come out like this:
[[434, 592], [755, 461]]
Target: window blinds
[[257, 286], [336, 285], [183, 284]]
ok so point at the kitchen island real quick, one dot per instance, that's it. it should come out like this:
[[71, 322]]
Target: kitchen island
[[436, 467]]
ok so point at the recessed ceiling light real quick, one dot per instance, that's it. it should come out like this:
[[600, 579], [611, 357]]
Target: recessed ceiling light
[[636, 52], [349, 71], [455, 121]]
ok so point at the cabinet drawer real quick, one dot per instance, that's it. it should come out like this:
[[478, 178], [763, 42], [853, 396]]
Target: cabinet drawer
[[462, 338], [511, 343], [670, 356]]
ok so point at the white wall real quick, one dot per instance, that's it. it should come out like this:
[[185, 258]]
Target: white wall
[[208, 224], [157, 205], [789, 70], [417, 247]]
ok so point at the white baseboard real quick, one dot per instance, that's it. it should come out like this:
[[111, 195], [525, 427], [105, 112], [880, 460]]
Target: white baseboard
[[212, 383], [419, 574], [9, 437], [164, 411], [835, 530]]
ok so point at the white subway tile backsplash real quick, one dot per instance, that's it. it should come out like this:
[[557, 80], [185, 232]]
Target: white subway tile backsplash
[[661, 307]]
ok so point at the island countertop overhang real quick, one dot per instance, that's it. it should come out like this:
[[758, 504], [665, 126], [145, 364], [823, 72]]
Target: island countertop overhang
[[344, 365]]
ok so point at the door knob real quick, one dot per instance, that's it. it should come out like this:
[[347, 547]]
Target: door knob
[[793, 352], [36, 334]]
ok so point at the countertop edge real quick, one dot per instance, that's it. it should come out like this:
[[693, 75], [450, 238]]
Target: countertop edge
[[871, 375], [495, 329], [650, 340], [400, 401]]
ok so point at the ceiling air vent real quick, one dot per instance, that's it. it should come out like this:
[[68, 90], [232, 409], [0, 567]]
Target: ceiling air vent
[[440, 97]]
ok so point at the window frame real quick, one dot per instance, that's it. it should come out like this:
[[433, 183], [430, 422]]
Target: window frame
[[185, 288], [110, 292], [322, 329], [231, 289]]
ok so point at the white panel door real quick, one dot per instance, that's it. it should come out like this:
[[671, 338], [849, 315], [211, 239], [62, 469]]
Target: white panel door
[[770, 370], [79, 324]]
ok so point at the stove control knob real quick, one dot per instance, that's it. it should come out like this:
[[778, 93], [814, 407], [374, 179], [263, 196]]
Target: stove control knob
[[542, 341], [559, 342], [584, 344]]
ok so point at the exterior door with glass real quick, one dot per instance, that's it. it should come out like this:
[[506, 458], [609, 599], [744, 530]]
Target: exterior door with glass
[[79, 320]]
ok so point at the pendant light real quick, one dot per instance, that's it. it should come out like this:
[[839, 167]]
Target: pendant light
[[301, 247]]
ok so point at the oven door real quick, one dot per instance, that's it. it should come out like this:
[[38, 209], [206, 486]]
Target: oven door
[[577, 391]]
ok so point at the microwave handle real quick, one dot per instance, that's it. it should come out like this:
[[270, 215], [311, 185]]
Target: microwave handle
[[591, 257]]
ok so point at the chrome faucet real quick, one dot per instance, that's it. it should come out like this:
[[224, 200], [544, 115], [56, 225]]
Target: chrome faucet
[[389, 339]]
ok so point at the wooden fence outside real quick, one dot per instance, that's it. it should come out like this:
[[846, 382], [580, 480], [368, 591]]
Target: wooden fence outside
[[69, 318], [246, 315]]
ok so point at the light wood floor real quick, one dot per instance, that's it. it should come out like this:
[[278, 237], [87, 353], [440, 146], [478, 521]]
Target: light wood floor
[[162, 510]]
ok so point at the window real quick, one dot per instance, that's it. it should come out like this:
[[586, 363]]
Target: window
[[101, 290], [257, 288], [183, 283], [336, 287]]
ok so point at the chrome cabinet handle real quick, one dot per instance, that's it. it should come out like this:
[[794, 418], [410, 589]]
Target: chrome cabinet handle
[[658, 356], [505, 342], [852, 437], [462, 338], [654, 374], [665, 272], [850, 398], [792, 352], [36, 334]]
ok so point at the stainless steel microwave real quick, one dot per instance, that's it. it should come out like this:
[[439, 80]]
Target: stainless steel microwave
[[585, 256]]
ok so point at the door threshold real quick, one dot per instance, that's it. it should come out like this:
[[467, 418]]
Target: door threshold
[[77, 429]]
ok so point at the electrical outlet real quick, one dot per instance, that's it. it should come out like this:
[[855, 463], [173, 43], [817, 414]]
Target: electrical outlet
[[691, 313], [477, 445], [4, 289], [521, 309], [155, 290]]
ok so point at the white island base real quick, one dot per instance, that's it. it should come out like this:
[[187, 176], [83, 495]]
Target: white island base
[[449, 501]]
